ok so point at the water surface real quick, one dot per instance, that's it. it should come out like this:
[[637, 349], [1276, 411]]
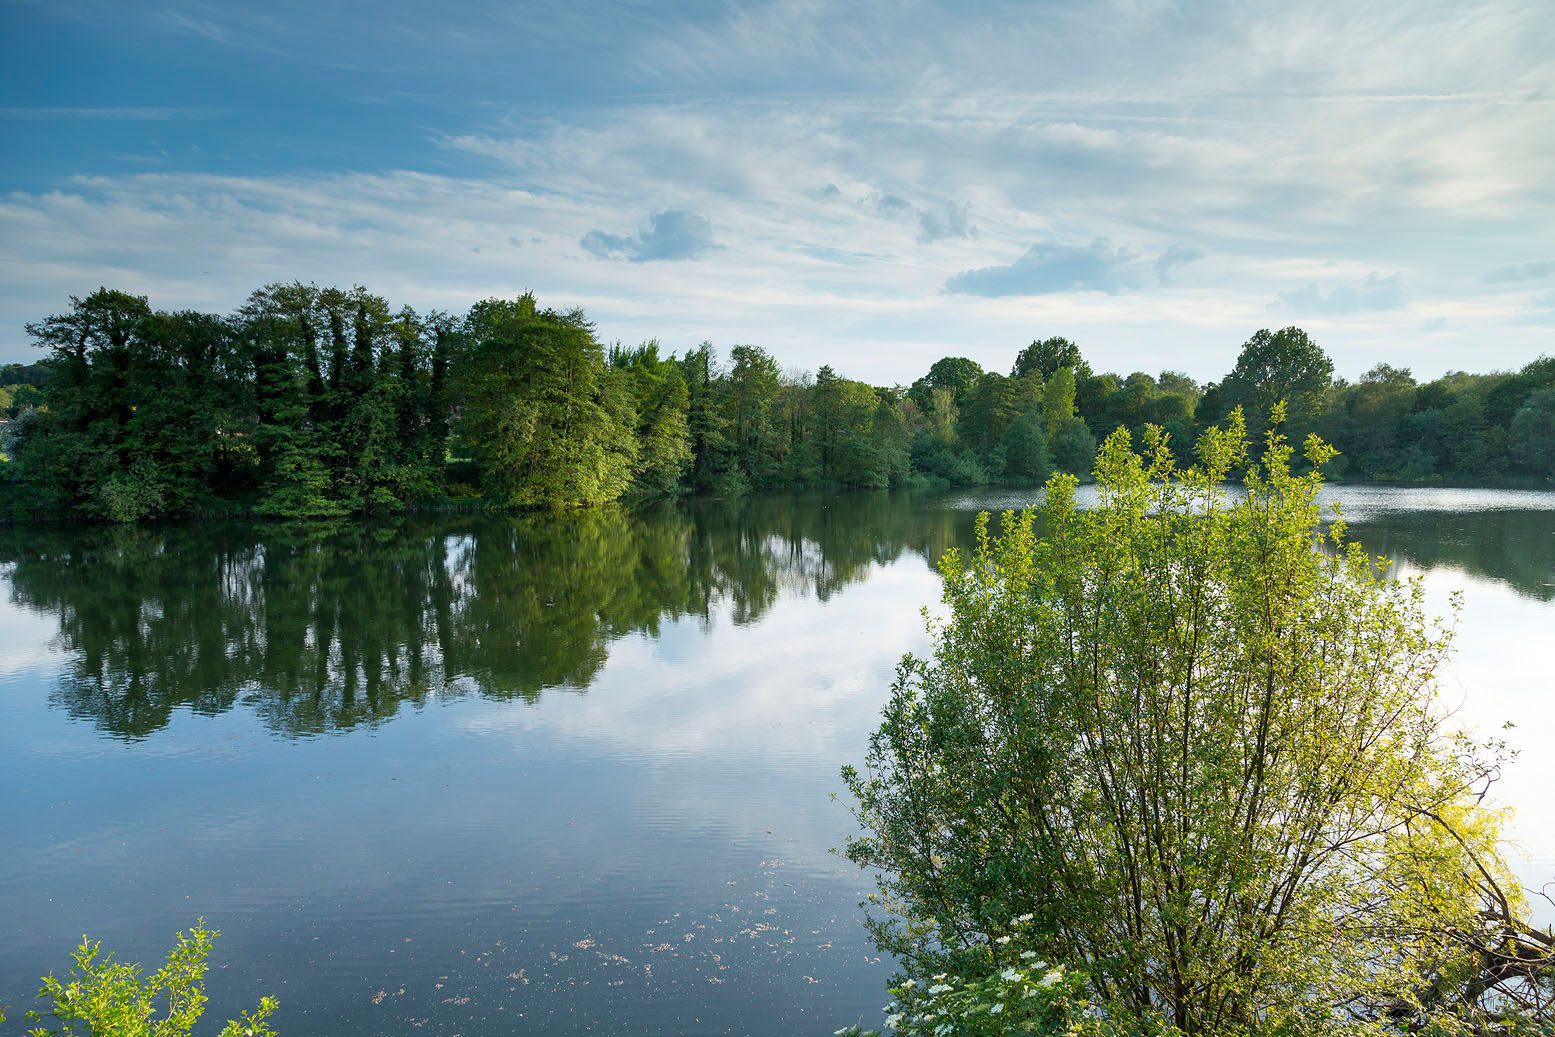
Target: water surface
[[547, 774]]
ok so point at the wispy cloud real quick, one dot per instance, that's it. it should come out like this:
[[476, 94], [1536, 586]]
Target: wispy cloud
[[935, 223], [1046, 269], [1542, 314], [1179, 254], [948, 222], [1301, 147], [671, 234], [1372, 293], [1521, 272]]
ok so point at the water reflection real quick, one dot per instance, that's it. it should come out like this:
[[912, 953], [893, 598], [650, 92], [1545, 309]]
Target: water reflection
[[733, 656], [1516, 548], [325, 627]]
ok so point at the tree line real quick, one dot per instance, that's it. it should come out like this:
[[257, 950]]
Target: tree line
[[315, 402]]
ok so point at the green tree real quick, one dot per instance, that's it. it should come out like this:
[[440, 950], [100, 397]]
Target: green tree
[[753, 387], [137, 424], [1074, 448], [990, 407], [1506, 396], [663, 432], [1026, 454], [23, 396], [1046, 357], [843, 430], [279, 330], [1532, 437], [536, 409], [1173, 743], [956, 373], [1058, 408], [714, 464], [1273, 367]]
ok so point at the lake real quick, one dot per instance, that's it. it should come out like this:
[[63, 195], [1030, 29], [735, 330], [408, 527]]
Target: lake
[[546, 774]]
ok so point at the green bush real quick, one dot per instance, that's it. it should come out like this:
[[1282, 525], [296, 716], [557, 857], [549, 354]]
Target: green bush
[[1194, 737], [101, 997]]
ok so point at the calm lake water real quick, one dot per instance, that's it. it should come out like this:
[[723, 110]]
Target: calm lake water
[[550, 774]]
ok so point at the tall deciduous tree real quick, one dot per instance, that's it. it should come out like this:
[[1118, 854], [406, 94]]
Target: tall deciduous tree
[[659, 394], [1047, 356], [1273, 367], [537, 410]]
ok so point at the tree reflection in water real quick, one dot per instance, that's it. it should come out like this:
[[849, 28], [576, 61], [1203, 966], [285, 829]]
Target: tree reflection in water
[[327, 626]]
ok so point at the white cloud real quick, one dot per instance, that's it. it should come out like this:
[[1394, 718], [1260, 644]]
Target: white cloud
[[671, 234], [1286, 153], [1373, 292], [1514, 272]]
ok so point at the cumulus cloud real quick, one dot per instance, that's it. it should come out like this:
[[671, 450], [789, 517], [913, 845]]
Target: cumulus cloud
[[1373, 293], [671, 234], [1521, 272], [1046, 269]]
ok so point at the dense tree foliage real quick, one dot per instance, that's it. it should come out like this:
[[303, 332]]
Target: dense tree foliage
[[316, 402], [1168, 742], [1461, 427]]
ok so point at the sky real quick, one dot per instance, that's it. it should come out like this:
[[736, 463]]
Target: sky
[[868, 184]]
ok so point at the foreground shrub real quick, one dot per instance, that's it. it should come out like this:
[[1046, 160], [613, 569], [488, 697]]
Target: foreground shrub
[[101, 997], [1195, 739]]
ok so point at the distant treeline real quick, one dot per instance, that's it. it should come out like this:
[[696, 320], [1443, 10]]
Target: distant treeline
[[313, 402]]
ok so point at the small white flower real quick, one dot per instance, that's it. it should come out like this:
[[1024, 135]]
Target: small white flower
[[910, 983], [1002, 940], [940, 977], [996, 1009], [894, 1020], [1010, 975], [1052, 977], [1025, 918], [1028, 955], [940, 988]]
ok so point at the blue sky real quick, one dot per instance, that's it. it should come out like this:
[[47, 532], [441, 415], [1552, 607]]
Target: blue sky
[[873, 185]]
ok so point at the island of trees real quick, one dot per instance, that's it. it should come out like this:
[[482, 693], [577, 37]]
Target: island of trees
[[311, 402]]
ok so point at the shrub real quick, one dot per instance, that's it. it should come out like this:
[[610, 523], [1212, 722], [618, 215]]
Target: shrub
[[101, 997], [1206, 758]]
